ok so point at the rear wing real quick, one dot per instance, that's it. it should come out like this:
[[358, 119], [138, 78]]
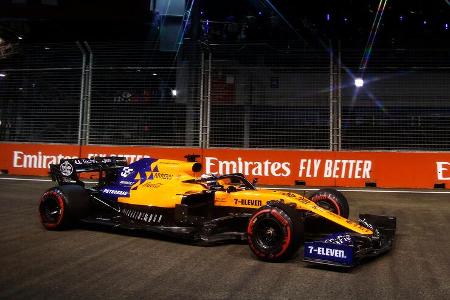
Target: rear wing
[[68, 169]]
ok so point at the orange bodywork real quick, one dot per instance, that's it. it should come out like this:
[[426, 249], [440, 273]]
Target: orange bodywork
[[176, 179]]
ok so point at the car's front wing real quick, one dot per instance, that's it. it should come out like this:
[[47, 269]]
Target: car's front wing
[[347, 249]]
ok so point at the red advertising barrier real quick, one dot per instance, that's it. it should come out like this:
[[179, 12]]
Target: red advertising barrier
[[321, 168], [33, 159], [281, 167]]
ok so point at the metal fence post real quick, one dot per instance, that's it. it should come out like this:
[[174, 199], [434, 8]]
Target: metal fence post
[[208, 100], [202, 80], [339, 100], [335, 99], [81, 110], [331, 96], [85, 93], [247, 112], [205, 101], [88, 92]]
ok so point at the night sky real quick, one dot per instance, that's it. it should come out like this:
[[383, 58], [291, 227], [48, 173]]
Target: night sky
[[404, 24]]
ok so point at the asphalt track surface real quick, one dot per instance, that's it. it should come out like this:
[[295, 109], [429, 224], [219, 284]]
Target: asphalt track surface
[[86, 263]]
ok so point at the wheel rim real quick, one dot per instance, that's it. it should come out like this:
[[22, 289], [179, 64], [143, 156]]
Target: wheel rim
[[268, 234], [51, 210]]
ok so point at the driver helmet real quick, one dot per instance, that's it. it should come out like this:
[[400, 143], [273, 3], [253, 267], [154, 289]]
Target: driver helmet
[[209, 179]]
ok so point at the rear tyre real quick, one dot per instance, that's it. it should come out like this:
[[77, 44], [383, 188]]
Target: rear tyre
[[275, 232], [61, 207], [331, 200]]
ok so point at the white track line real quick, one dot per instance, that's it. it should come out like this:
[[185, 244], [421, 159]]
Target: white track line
[[33, 179], [25, 179], [362, 190]]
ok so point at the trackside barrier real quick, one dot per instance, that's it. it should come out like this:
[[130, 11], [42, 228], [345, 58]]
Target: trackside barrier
[[280, 167]]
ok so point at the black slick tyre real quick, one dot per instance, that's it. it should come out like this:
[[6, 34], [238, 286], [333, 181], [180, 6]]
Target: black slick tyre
[[331, 200], [61, 207], [275, 232]]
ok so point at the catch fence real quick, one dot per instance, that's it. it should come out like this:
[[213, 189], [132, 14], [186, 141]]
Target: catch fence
[[225, 95]]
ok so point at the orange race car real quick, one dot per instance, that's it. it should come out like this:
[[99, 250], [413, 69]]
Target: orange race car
[[168, 197]]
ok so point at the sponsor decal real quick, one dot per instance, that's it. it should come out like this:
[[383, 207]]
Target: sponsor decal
[[66, 168], [129, 157], [152, 185], [308, 168], [126, 171], [291, 195], [155, 174], [127, 182], [220, 199], [37, 160], [335, 168], [327, 251], [365, 223], [164, 176], [340, 239], [320, 208], [297, 197], [247, 202], [255, 168], [84, 161], [443, 170], [115, 192], [358, 225]]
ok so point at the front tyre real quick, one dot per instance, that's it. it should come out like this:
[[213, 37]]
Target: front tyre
[[331, 200], [275, 232], [62, 206]]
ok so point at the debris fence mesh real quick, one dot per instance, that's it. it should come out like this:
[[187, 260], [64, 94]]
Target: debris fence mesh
[[224, 95]]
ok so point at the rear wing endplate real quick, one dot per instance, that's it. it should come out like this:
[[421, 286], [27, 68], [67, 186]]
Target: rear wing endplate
[[68, 169]]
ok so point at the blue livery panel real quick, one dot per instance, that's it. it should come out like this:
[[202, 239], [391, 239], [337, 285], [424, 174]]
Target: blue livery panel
[[336, 249], [126, 178]]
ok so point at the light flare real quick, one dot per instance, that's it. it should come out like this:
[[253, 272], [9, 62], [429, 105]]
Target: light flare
[[373, 34]]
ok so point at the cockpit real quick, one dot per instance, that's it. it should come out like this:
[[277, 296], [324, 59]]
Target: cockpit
[[229, 182]]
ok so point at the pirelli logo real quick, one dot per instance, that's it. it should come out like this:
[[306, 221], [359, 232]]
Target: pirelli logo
[[142, 216]]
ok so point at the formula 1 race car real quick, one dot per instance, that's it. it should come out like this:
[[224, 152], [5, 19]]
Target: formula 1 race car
[[166, 196]]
